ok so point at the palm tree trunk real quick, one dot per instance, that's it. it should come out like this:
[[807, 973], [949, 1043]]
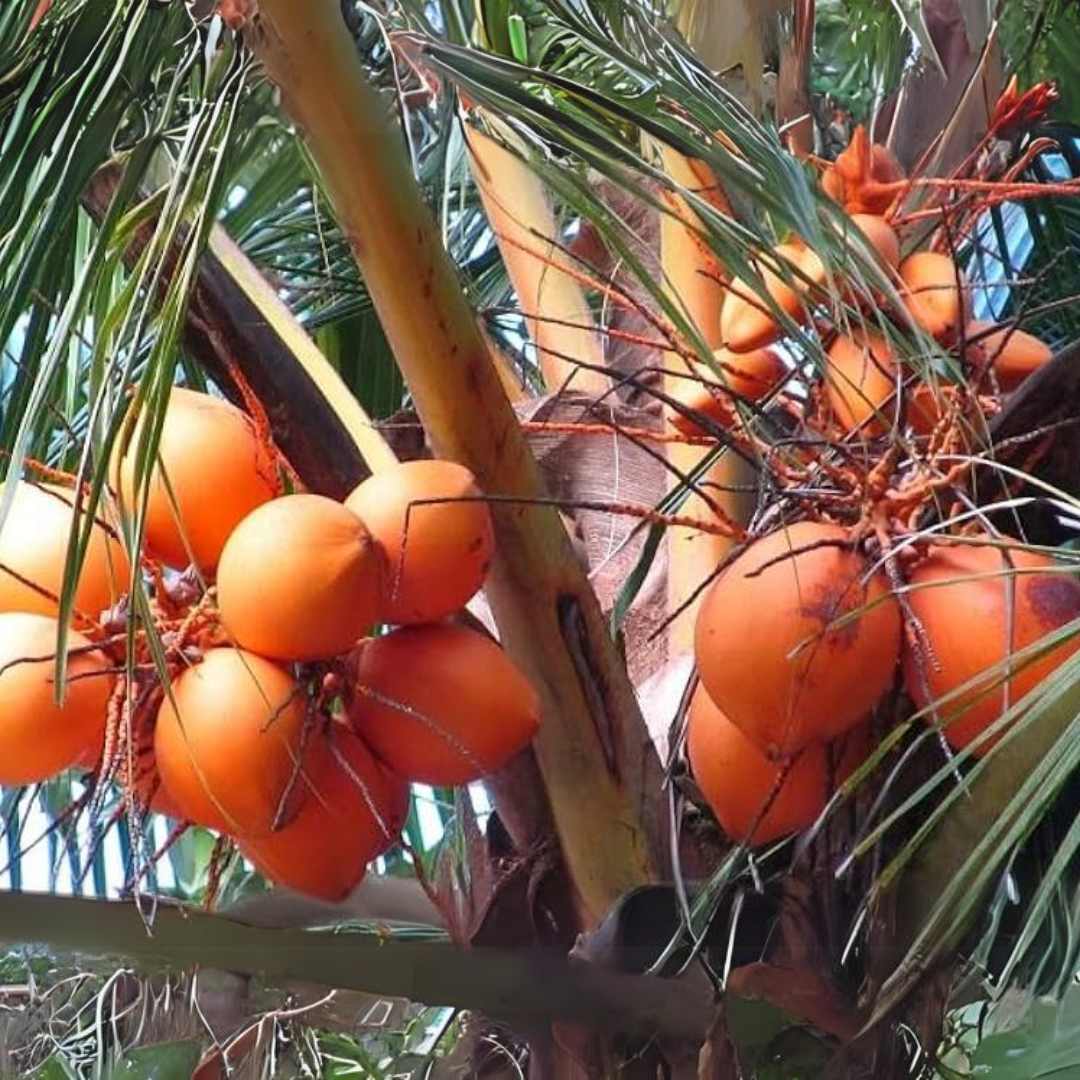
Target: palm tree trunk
[[595, 757]]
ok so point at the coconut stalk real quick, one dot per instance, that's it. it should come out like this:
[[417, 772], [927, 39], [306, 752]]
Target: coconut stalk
[[694, 278], [229, 274], [730, 33], [557, 313], [723, 33], [592, 749]]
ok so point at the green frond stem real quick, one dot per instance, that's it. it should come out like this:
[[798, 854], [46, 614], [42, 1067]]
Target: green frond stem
[[520, 986], [597, 762], [951, 863]]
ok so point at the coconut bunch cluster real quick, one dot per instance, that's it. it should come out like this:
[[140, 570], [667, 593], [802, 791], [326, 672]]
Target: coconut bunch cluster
[[839, 601], [864, 391], [803, 635], [315, 667]]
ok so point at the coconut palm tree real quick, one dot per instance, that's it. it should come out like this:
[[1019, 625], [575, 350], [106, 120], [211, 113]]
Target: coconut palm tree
[[504, 236]]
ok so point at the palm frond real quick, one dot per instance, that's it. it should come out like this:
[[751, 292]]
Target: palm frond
[[861, 50]]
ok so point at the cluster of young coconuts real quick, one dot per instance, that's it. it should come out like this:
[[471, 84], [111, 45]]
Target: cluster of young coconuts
[[867, 391], [324, 671], [799, 638], [288, 722]]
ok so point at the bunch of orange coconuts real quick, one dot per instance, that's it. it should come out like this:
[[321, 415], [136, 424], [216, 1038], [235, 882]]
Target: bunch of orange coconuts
[[327, 671], [802, 634], [293, 724], [860, 382]]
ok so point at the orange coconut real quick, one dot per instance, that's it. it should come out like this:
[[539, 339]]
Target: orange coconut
[[438, 548], [300, 579], [702, 398], [810, 269], [34, 542], [213, 471], [925, 406], [746, 321], [864, 177], [39, 13], [934, 292], [794, 642], [750, 376], [976, 613], [442, 704], [881, 236], [1011, 354], [39, 738], [228, 742], [355, 815], [860, 381], [737, 780]]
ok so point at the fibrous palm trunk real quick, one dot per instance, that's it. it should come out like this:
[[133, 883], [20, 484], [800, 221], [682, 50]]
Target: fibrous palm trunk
[[595, 757]]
